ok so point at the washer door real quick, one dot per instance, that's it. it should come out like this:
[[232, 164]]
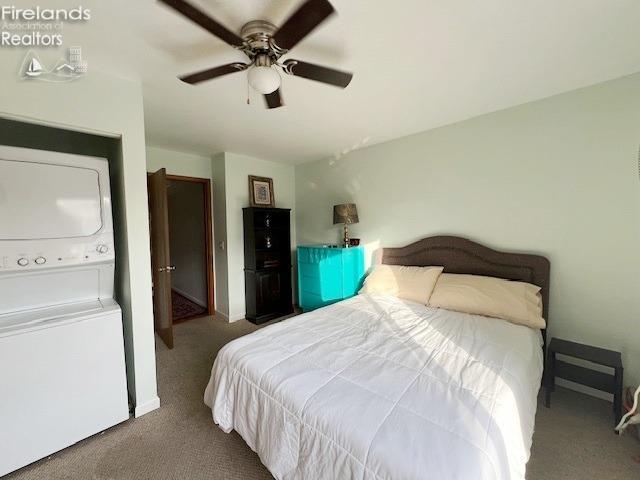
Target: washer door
[[28, 320], [62, 384]]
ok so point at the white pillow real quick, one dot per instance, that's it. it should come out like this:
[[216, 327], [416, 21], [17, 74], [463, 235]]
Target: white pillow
[[409, 283], [516, 302]]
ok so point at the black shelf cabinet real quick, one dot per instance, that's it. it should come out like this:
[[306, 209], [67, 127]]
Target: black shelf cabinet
[[267, 263]]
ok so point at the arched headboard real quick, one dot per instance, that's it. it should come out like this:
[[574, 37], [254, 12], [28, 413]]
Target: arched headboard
[[460, 255]]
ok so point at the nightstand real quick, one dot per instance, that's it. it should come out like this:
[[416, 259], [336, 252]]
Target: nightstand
[[605, 382], [328, 274]]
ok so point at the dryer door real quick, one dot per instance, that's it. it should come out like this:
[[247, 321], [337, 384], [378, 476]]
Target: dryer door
[[43, 201]]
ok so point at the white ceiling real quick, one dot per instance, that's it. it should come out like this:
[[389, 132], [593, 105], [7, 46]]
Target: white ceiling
[[418, 64]]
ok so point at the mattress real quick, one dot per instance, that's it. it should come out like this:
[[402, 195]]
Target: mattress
[[382, 388]]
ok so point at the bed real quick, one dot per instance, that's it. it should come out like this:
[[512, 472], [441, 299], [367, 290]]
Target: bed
[[383, 388]]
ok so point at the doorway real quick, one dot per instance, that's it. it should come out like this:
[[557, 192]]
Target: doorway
[[181, 250]]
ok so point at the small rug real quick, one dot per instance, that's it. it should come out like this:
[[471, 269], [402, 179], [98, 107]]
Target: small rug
[[183, 308]]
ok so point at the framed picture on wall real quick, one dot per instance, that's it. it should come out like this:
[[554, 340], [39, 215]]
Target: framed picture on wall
[[261, 192]]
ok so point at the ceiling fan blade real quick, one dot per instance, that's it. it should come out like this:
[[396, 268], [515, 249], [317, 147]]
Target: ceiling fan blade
[[205, 21], [210, 73], [274, 100], [308, 16], [317, 72]]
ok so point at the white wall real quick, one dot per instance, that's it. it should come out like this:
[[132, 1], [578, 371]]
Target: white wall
[[185, 164], [557, 177], [235, 169], [109, 106], [220, 234]]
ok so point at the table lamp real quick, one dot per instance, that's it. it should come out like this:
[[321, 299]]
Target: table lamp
[[345, 213]]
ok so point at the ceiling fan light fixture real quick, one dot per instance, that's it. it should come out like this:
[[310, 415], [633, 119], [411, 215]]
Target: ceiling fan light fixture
[[264, 79]]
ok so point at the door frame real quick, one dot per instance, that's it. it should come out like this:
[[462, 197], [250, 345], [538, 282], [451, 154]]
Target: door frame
[[208, 223]]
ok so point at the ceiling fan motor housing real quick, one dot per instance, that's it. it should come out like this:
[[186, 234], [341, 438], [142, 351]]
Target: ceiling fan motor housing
[[257, 34]]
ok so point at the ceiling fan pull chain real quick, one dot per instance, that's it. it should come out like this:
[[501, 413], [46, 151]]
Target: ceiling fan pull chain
[[248, 93]]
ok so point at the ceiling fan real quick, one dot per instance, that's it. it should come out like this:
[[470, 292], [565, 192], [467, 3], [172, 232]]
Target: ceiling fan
[[264, 44]]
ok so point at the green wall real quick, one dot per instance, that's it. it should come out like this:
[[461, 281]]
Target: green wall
[[557, 177]]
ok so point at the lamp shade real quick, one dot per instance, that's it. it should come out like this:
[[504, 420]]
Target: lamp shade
[[264, 79], [345, 213]]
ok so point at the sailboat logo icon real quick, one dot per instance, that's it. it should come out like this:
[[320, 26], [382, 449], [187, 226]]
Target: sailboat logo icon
[[34, 69], [65, 70]]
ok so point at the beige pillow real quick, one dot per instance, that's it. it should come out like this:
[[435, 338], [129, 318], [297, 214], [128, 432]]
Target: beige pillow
[[408, 283], [517, 302]]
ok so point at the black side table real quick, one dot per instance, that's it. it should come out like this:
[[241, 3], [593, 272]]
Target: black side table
[[606, 382]]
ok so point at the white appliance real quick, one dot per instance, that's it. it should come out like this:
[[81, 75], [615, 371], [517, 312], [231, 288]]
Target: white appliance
[[62, 368]]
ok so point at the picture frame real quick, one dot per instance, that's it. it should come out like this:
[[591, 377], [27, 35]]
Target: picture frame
[[261, 192]]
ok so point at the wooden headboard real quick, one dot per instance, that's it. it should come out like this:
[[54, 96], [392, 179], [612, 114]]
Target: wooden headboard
[[459, 255]]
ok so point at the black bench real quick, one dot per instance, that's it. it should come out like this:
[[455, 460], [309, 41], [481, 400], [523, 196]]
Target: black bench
[[605, 382]]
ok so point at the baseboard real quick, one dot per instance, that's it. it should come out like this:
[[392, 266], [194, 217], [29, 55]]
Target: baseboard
[[147, 407], [228, 319], [190, 297]]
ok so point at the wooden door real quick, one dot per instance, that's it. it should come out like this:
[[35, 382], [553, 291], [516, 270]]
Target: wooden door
[[160, 255]]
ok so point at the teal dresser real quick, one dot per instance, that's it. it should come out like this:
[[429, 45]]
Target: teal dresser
[[327, 275]]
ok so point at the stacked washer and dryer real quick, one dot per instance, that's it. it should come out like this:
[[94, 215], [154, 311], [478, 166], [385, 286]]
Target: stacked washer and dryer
[[62, 367]]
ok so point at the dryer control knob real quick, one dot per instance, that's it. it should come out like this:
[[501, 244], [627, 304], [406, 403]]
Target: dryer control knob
[[102, 249], [40, 260], [23, 262]]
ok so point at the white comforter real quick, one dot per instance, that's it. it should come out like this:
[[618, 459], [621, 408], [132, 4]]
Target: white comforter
[[381, 388]]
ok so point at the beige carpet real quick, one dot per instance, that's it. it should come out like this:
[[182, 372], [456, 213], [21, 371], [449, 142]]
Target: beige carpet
[[573, 439]]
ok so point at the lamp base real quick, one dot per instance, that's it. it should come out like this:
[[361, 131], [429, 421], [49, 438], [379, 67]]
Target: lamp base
[[346, 236]]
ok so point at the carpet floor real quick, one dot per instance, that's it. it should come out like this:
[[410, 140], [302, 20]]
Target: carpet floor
[[573, 439]]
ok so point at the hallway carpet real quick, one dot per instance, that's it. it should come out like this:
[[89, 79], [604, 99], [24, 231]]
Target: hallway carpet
[[573, 439], [183, 308]]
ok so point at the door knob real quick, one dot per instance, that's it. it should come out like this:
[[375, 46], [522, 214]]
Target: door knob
[[168, 268]]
